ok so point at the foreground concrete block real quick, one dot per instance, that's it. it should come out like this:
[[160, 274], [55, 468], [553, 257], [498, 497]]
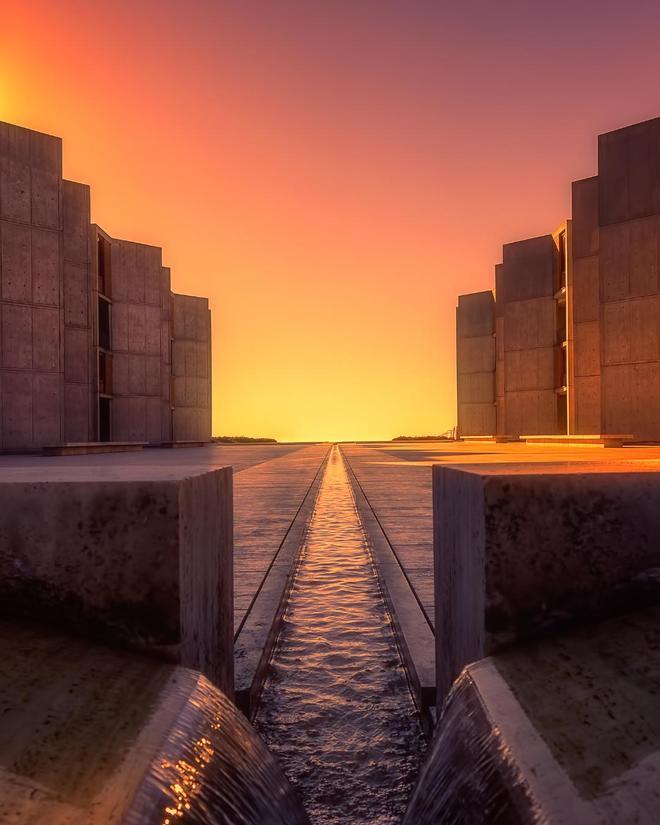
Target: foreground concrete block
[[520, 551], [108, 737], [563, 731], [143, 562]]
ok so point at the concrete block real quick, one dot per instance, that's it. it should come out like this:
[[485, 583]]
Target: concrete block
[[152, 379], [475, 315], [45, 262], [15, 204], [616, 387], [137, 338], [46, 408], [530, 369], [528, 269], [518, 552], [45, 189], [614, 264], [529, 324], [136, 374], [119, 316], [145, 562], [120, 379], [16, 397], [473, 388], [76, 355], [644, 254], [16, 336], [628, 173], [477, 419], [136, 274], [77, 426], [154, 427], [123, 269], [586, 348], [474, 355], [586, 289], [137, 419], [76, 221], [631, 331], [121, 415], [585, 217], [76, 295], [645, 400], [153, 270], [587, 405], [46, 339], [16, 263], [152, 322]]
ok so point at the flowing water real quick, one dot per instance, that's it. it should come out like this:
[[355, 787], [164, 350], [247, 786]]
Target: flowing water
[[336, 709]]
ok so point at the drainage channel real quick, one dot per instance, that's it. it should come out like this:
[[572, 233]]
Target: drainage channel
[[336, 709]]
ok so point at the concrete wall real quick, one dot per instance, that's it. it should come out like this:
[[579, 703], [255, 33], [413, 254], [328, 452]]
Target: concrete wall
[[475, 356], [584, 307], [137, 318], [78, 314], [629, 217], [191, 368], [31, 365], [144, 562], [526, 305], [517, 554]]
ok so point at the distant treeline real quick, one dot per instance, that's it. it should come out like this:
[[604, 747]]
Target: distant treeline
[[242, 439], [445, 437]]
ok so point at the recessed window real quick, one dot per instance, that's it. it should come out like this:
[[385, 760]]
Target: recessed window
[[105, 373], [105, 422], [103, 252], [563, 260], [104, 323]]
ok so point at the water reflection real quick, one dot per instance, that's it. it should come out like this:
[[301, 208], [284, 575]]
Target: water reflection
[[336, 709]]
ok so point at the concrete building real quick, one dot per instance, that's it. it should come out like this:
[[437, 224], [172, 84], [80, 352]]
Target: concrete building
[[94, 346], [576, 312]]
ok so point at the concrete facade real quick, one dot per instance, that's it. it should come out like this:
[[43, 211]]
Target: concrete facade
[[88, 323], [578, 311], [475, 345]]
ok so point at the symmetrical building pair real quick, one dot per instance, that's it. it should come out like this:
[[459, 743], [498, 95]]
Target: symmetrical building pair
[[94, 345], [569, 341]]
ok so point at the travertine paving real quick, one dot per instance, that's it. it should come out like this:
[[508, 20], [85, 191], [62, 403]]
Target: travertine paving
[[396, 479], [266, 499]]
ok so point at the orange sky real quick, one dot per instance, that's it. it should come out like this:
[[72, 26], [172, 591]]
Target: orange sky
[[330, 175]]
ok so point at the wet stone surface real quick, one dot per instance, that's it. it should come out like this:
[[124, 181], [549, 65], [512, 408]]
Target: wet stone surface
[[336, 709]]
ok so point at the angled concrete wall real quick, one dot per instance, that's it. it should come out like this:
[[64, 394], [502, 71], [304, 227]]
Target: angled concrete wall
[[585, 305], [475, 350], [30, 300], [525, 298], [191, 368], [137, 310], [629, 216]]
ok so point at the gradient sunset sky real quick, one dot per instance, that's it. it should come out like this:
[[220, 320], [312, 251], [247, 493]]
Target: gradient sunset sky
[[331, 173]]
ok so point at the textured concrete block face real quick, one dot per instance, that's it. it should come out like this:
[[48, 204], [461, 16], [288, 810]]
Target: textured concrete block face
[[142, 563], [585, 217], [16, 398], [45, 263], [529, 324], [629, 173], [587, 349], [76, 295], [586, 289], [46, 339], [46, 413], [76, 356], [516, 554], [191, 366], [77, 426], [75, 221], [475, 315], [16, 263], [16, 336], [528, 269], [588, 405], [15, 199]]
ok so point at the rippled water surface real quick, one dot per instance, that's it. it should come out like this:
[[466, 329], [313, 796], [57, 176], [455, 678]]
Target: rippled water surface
[[336, 709]]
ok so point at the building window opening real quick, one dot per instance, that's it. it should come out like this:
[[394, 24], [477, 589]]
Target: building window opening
[[103, 250], [105, 373], [105, 410], [561, 323], [104, 323], [563, 261]]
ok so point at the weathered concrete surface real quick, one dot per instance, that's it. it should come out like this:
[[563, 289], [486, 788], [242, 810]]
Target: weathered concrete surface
[[563, 730], [519, 550], [96, 735], [142, 557], [475, 363]]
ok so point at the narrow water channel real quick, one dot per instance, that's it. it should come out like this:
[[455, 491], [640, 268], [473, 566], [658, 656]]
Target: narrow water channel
[[336, 709]]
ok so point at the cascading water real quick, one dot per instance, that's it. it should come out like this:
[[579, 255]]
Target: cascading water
[[336, 709]]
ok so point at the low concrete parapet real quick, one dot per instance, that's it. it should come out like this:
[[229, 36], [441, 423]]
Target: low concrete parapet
[[142, 558], [520, 552], [578, 440], [91, 447]]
